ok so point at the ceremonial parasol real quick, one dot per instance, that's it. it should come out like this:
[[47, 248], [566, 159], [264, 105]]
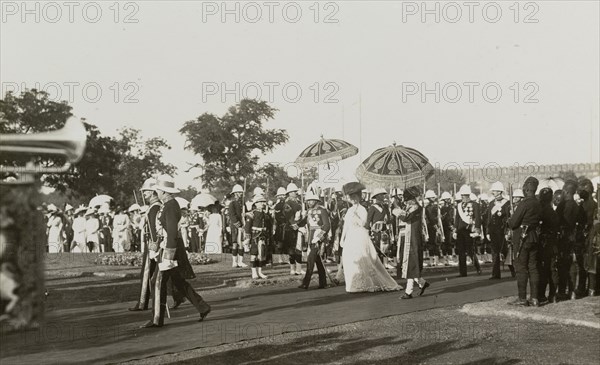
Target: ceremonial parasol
[[396, 166], [203, 200], [326, 151], [99, 200], [183, 203]]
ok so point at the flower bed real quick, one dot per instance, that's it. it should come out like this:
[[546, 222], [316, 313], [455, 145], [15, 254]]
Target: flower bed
[[135, 259]]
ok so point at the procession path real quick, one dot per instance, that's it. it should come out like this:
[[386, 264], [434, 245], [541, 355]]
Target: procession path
[[108, 333]]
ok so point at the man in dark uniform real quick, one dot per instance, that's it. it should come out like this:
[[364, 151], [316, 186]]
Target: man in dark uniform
[[279, 221], [149, 236], [291, 211], [171, 257], [447, 212], [525, 224], [572, 219], [467, 225], [378, 217], [548, 247], [497, 216], [317, 225], [236, 220], [431, 219], [258, 227]]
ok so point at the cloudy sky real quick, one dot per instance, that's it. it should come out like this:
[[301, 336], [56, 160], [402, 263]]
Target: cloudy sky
[[514, 84]]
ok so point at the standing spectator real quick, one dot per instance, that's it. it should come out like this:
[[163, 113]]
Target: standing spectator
[[55, 230], [214, 237]]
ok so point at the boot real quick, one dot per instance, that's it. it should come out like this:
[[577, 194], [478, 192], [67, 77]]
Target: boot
[[260, 273], [292, 269], [299, 270], [234, 261], [240, 263], [254, 273]]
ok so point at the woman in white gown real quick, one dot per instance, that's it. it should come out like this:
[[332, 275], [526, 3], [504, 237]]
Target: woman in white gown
[[363, 271], [214, 234], [55, 230]]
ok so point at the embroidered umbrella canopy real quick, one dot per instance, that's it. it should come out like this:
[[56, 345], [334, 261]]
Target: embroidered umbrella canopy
[[326, 151], [396, 166]]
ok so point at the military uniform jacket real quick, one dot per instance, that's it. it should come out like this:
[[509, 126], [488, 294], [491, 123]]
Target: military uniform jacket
[[467, 216], [317, 222], [258, 224], [290, 208], [169, 219], [527, 213], [377, 213], [447, 216], [431, 214], [150, 223], [497, 215], [235, 214]]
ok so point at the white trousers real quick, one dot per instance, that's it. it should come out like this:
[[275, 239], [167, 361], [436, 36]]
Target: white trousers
[[411, 282]]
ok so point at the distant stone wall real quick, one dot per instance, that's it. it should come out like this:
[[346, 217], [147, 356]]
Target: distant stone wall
[[484, 176]]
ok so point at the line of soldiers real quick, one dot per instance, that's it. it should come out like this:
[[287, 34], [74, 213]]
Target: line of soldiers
[[555, 247]]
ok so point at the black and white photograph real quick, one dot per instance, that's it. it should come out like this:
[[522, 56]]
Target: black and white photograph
[[299, 182]]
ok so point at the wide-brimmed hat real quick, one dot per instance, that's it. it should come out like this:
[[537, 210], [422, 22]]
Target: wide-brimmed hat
[[134, 207], [412, 193], [378, 191], [80, 209], [167, 184], [68, 207], [52, 208], [291, 188], [258, 191], [465, 190], [518, 193], [497, 186], [310, 196], [149, 184], [281, 191], [259, 198], [353, 188], [237, 188], [430, 194]]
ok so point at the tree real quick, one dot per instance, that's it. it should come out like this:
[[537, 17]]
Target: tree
[[139, 160], [32, 112], [230, 145], [113, 166], [188, 193]]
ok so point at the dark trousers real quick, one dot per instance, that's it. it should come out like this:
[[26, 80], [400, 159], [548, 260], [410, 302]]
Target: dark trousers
[[161, 280], [464, 247], [447, 244], [527, 264], [572, 271], [498, 245], [548, 270], [312, 259]]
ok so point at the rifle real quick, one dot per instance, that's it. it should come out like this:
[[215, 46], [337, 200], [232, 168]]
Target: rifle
[[440, 224]]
